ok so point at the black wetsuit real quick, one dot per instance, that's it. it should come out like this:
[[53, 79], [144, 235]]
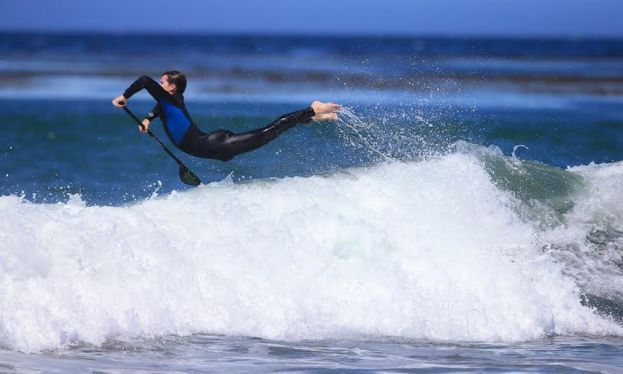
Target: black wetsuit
[[220, 144]]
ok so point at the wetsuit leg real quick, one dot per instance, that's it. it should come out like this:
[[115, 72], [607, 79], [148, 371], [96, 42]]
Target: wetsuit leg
[[224, 145]]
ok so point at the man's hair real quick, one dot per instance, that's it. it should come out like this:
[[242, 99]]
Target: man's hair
[[177, 78]]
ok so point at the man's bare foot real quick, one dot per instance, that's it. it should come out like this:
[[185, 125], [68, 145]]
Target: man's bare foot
[[325, 117], [325, 111], [322, 108]]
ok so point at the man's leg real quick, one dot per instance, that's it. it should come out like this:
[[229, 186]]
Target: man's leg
[[224, 145], [236, 144]]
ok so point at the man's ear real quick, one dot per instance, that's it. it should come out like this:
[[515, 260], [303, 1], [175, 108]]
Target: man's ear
[[174, 86]]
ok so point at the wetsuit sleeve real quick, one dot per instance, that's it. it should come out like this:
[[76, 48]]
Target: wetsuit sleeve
[[300, 116], [155, 112], [155, 90]]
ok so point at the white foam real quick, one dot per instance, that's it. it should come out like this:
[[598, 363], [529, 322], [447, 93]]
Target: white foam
[[426, 250], [598, 213]]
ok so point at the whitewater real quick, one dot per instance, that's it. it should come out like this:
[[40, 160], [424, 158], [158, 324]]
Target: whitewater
[[430, 249]]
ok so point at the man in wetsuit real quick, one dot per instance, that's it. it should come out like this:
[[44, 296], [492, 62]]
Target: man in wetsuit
[[220, 144]]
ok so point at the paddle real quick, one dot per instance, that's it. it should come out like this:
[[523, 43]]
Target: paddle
[[186, 176]]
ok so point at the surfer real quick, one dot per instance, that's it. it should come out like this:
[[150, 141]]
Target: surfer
[[219, 144]]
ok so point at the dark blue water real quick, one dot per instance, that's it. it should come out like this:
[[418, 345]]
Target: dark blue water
[[90, 148], [27, 43]]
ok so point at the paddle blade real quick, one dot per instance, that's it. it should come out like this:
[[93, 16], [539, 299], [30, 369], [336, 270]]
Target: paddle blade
[[188, 177]]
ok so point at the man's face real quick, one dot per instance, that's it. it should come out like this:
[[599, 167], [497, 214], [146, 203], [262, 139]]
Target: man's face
[[164, 82]]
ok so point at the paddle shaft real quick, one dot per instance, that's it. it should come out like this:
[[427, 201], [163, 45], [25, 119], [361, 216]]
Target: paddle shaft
[[186, 176], [167, 150]]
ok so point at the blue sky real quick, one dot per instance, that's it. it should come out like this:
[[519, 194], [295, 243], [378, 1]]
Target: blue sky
[[568, 18]]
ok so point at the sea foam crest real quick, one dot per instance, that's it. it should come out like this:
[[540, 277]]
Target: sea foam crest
[[423, 250], [590, 243]]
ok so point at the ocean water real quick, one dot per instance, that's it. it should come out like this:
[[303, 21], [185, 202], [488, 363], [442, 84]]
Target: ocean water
[[464, 214]]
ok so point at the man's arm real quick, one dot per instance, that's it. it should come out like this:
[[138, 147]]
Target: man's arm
[[155, 112], [155, 90]]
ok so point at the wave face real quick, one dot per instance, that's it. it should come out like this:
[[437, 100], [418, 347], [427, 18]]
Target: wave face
[[447, 249]]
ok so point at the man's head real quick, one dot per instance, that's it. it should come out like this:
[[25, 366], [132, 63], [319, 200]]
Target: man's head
[[173, 81]]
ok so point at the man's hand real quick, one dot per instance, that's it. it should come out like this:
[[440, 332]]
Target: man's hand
[[325, 111], [145, 126], [119, 101]]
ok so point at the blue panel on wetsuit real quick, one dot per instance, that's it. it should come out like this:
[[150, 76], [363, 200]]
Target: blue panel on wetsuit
[[177, 122]]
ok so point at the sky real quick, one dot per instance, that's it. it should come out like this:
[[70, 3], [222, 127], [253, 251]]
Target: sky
[[527, 18]]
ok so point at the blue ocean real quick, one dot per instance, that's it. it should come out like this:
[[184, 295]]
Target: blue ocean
[[464, 214]]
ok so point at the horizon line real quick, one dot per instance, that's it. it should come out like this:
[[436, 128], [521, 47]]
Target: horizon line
[[302, 34]]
